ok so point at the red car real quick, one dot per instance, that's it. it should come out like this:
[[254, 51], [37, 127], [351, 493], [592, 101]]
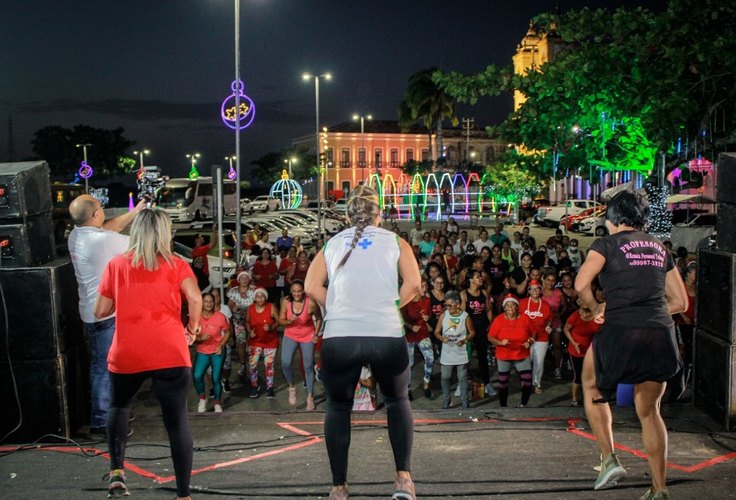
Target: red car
[[570, 222]]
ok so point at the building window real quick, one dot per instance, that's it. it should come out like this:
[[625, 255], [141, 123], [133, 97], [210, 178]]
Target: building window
[[409, 154], [452, 155], [346, 187], [361, 157], [330, 156], [394, 158], [330, 186], [378, 155], [490, 154], [345, 157], [425, 154]]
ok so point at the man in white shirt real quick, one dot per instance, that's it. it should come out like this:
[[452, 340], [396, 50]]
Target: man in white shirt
[[482, 241], [415, 235], [92, 243]]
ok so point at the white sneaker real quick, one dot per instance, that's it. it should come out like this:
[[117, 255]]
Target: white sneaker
[[490, 391], [202, 406], [218, 408]]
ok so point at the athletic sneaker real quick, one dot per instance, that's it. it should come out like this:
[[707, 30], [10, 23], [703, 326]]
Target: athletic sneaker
[[490, 391], [226, 386], [116, 487], [269, 393], [660, 495], [611, 472], [558, 374], [218, 407], [202, 406], [254, 392]]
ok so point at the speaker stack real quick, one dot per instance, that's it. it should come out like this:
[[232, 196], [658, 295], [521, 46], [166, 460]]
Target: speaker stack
[[26, 235], [43, 354], [714, 360]]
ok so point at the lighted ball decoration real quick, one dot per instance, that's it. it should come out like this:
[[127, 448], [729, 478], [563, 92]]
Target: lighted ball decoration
[[232, 174], [231, 115], [288, 191], [85, 171]]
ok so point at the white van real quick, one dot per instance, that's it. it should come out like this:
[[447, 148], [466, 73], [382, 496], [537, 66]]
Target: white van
[[186, 199]]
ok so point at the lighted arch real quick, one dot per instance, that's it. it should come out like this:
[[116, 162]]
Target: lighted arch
[[432, 179], [374, 181], [418, 194], [465, 191], [445, 177]]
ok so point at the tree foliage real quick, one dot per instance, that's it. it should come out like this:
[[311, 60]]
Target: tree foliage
[[105, 153], [627, 84], [425, 102]]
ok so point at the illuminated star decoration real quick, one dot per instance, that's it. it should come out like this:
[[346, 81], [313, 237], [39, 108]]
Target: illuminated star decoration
[[85, 171], [240, 116]]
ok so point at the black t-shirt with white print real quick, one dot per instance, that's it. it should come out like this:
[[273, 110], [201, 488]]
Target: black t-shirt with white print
[[633, 279]]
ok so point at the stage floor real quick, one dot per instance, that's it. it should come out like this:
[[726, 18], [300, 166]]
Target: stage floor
[[543, 452]]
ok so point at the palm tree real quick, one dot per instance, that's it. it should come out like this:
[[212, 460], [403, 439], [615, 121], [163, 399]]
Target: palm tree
[[425, 101]]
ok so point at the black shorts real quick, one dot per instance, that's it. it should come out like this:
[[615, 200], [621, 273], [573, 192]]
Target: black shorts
[[626, 355]]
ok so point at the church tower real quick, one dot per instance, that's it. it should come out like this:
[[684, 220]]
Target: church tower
[[535, 49]]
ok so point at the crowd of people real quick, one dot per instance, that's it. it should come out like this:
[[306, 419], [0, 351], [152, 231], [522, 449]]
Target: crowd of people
[[503, 301]]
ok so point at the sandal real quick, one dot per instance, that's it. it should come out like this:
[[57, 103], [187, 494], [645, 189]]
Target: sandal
[[404, 489]]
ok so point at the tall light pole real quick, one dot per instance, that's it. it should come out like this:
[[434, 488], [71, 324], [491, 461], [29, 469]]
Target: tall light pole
[[193, 159], [238, 232], [84, 154], [306, 77], [140, 156], [362, 119], [467, 124], [289, 161], [230, 160]]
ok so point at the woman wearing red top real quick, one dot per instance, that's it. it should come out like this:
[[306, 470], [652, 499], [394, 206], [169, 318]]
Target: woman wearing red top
[[579, 330], [553, 297], [210, 342], [299, 270], [144, 288], [416, 314], [287, 262], [540, 317], [302, 319], [263, 340], [265, 273], [512, 336]]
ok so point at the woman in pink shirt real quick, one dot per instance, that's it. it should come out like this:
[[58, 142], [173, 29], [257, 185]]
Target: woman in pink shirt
[[302, 319]]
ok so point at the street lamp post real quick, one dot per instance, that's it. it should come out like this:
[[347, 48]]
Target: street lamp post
[[289, 161], [320, 194], [84, 154], [140, 156], [238, 232], [193, 159], [362, 119]]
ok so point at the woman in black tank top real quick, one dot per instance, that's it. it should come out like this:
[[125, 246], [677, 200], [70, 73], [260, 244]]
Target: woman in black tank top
[[475, 303]]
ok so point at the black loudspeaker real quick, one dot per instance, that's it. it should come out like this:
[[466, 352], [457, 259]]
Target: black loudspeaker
[[25, 189], [726, 179], [27, 242], [714, 378], [726, 236], [52, 393], [716, 294], [43, 311]]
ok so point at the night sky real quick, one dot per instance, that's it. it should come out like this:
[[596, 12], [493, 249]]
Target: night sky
[[161, 68]]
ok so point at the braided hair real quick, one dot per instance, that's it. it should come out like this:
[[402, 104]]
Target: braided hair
[[362, 209]]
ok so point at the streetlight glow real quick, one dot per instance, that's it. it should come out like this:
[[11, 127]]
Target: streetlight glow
[[362, 119], [140, 155], [320, 194]]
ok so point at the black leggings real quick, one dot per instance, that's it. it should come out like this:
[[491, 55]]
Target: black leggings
[[171, 386], [342, 360]]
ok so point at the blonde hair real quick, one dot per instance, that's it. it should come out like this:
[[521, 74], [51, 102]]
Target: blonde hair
[[150, 237], [362, 208]]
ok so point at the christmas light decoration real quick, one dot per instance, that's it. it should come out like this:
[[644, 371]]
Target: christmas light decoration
[[246, 112], [287, 190], [660, 218], [85, 171]]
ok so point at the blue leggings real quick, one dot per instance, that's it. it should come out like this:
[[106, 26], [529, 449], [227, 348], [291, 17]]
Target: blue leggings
[[201, 363], [288, 348]]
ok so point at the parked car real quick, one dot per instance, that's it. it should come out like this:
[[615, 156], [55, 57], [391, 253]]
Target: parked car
[[572, 222], [314, 205], [551, 216], [331, 225], [218, 274], [341, 206], [263, 203], [595, 225]]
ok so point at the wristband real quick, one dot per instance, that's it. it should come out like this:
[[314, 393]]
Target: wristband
[[196, 330]]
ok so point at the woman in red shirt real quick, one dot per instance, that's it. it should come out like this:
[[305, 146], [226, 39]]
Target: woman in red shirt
[[263, 341], [265, 273], [144, 287], [416, 314], [579, 330], [511, 333]]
